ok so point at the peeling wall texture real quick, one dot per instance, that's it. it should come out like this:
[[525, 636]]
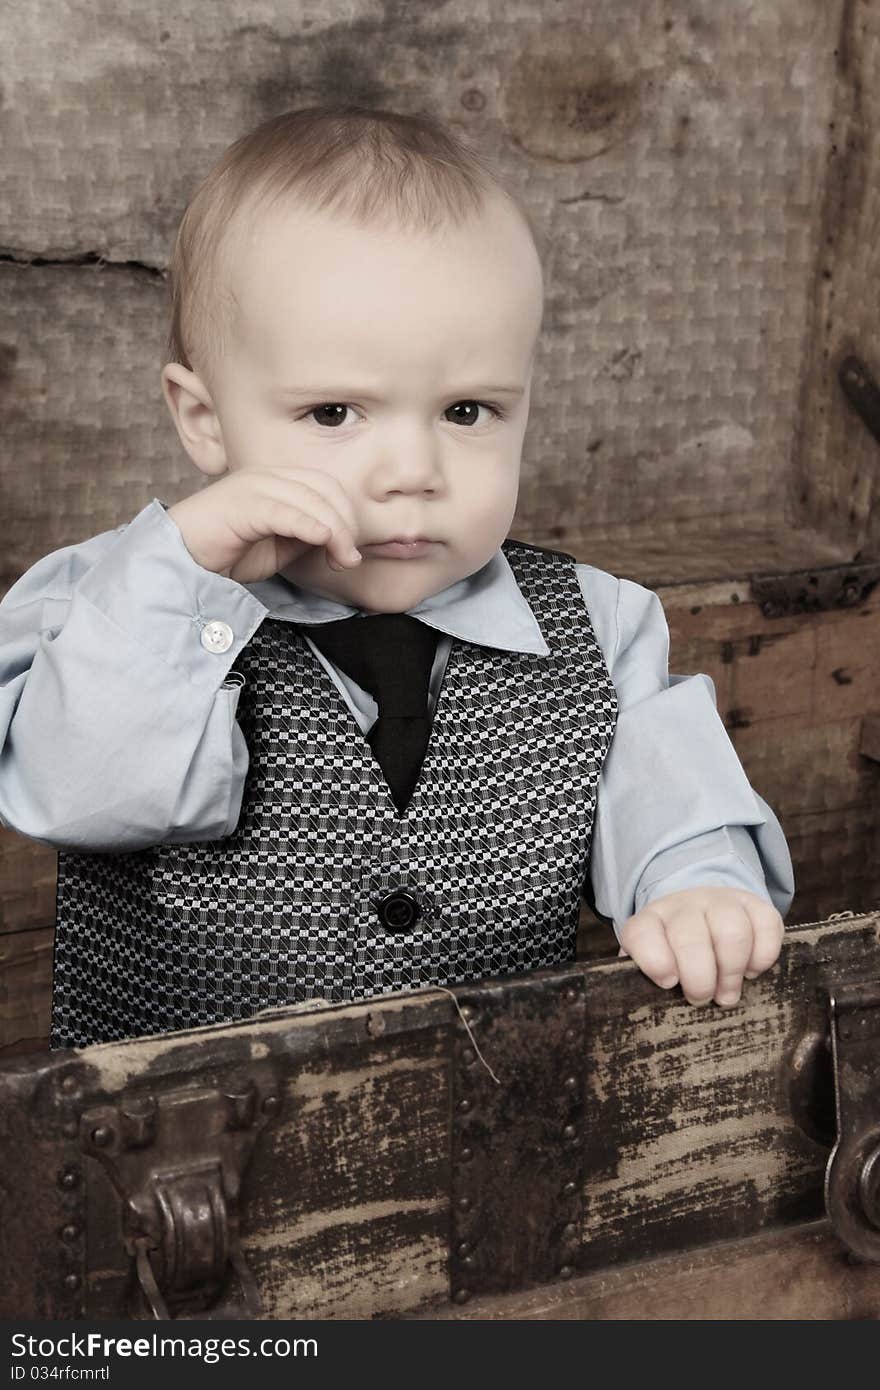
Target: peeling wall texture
[[703, 177]]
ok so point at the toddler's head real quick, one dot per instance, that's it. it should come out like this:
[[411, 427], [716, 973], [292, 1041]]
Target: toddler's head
[[354, 291]]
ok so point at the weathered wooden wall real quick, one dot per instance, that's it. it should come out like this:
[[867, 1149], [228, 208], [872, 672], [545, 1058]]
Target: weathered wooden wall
[[705, 182]]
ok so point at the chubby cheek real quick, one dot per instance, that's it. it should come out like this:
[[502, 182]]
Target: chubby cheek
[[489, 508]]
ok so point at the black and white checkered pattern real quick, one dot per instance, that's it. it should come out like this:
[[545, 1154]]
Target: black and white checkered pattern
[[494, 842]]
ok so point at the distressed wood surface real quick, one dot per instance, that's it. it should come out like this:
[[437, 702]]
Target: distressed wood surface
[[798, 1273], [689, 1136], [28, 872], [793, 694], [26, 985]]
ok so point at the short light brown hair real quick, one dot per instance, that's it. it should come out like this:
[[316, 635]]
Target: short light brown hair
[[369, 165]]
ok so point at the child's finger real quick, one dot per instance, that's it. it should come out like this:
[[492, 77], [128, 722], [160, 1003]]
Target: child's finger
[[688, 934], [769, 929], [644, 939], [732, 935]]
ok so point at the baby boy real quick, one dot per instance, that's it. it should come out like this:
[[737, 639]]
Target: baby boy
[[357, 303]]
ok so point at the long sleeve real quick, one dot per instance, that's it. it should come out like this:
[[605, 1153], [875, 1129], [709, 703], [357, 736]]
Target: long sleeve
[[675, 809], [117, 723]]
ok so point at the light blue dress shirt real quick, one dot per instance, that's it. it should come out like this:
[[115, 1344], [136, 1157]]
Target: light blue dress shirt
[[118, 729]]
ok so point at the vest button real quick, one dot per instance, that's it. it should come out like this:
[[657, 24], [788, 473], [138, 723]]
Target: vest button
[[398, 910]]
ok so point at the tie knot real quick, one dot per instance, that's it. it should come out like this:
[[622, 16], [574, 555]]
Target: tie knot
[[389, 654]]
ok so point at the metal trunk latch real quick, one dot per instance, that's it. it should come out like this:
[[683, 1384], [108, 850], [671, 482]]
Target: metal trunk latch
[[852, 1177], [177, 1161]]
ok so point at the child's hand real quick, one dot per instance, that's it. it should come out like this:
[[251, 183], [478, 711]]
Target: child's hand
[[252, 522], [705, 938]]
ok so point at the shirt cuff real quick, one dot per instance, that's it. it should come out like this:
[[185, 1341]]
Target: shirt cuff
[[704, 869], [151, 588]]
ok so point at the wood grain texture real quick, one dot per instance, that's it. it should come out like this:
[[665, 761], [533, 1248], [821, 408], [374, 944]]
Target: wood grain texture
[[834, 456], [28, 872], [25, 985], [689, 1136], [796, 1274]]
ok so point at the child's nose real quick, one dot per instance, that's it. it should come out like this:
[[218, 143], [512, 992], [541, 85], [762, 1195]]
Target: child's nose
[[412, 466]]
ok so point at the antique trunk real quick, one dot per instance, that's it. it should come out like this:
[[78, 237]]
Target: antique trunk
[[569, 1144]]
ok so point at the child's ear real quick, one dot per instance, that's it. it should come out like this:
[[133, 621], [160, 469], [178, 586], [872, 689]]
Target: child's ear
[[195, 418]]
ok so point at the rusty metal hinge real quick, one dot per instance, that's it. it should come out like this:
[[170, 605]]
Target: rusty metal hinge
[[814, 590], [517, 1143], [177, 1160], [852, 1178]]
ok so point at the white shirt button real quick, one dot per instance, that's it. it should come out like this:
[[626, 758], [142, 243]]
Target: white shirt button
[[216, 636]]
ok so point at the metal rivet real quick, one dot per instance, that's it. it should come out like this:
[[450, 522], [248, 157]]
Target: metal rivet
[[469, 1262], [463, 1248], [467, 1012], [570, 1035], [71, 1281], [461, 1295], [69, 1129], [271, 1105], [102, 1136], [570, 1083], [570, 1189], [566, 1272], [466, 1154], [569, 1231], [68, 1178], [473, 99], [464, 1203], [569, 1132], [69, 1083], [570, 994], [464, 1105], [240, 1106], [68, 1232]]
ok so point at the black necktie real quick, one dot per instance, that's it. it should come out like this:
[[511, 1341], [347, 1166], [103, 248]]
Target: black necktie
[[390, 655]]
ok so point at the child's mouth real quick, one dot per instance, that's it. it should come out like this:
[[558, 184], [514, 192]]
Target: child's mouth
[[400, 549]]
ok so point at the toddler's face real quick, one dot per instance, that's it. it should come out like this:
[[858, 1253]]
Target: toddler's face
[[400, 364]]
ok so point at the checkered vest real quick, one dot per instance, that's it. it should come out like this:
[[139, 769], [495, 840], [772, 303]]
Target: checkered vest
[[315, 892]]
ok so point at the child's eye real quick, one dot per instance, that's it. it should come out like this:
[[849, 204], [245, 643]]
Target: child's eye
[[332, 414], [471, 407]]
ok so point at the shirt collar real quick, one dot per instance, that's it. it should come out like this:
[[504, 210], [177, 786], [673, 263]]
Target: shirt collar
[[487, 608]]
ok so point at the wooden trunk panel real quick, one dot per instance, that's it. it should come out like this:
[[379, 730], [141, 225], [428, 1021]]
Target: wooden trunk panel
[[26, 985], [689, 1136], [28, 872], [798, 1273]]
